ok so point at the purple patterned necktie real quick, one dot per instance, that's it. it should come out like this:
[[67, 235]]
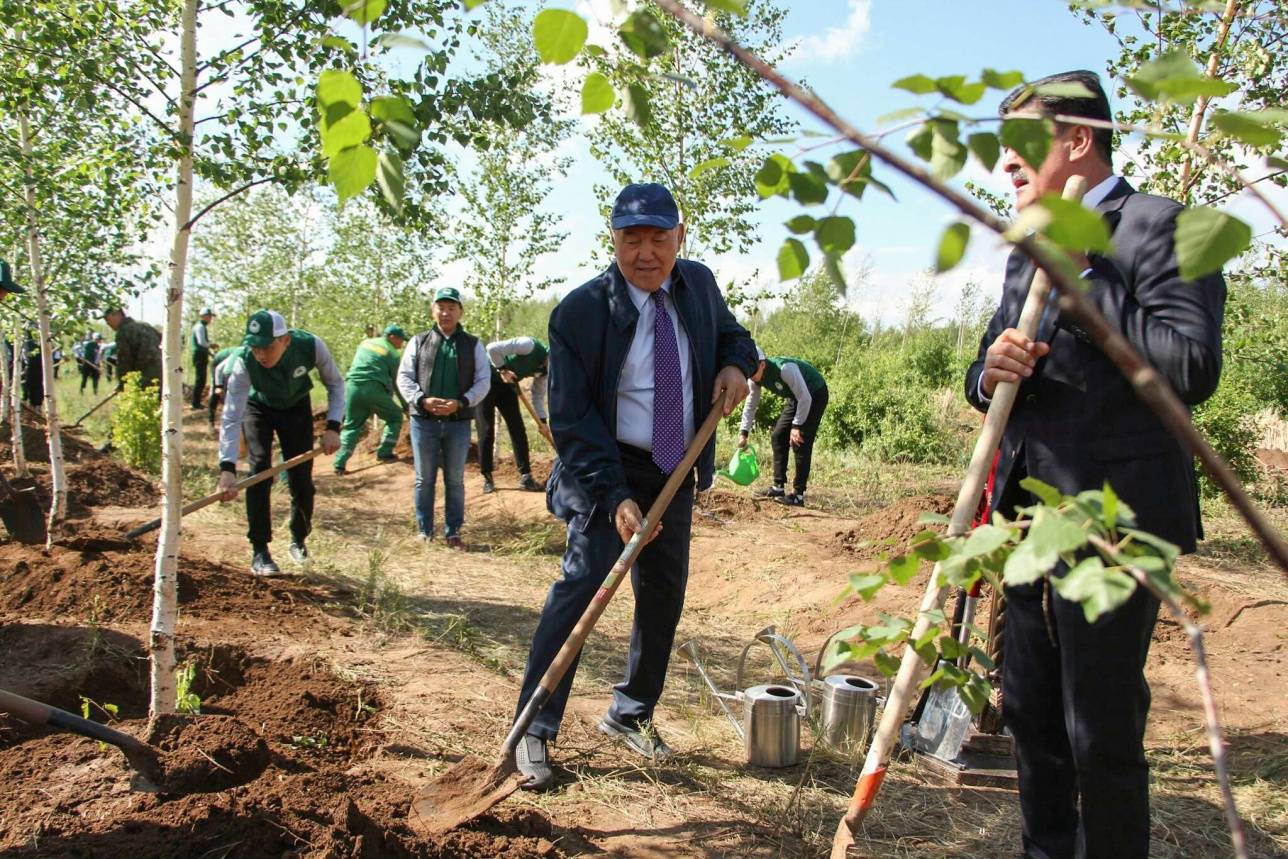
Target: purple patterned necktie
[[668, 390]]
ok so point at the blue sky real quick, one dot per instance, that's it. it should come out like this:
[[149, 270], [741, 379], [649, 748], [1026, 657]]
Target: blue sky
[[850, 51]]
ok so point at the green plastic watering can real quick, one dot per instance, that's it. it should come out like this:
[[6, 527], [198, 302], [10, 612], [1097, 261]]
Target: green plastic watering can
[[743, 468]]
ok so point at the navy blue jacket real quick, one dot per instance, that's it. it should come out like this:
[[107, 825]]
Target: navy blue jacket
[[1077, 422], [590, 333]]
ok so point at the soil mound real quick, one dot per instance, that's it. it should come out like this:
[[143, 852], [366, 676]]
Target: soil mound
[[103, 482], [206, 754], [36, 446], [1273, 458], [889, 529], [61, 664], [96, 576]]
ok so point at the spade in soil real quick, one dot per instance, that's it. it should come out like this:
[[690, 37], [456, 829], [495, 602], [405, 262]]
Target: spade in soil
[[473, 786], [21, 513], [197, 755]]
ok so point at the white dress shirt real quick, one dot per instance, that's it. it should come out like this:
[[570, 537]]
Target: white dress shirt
[[795, 383], [635, 384]]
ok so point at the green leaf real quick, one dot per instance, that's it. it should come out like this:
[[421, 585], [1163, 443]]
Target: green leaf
[[975, 692], [1207, 239], [473, 4], [1064, 89], [835, 235], [1049, 537], [771, 178], [952, 246], [919, 84], [1248, 127], [793, 259], [363, 12], [350, 130], [336, 86], [1073, 226], [866, 586], [387, 108], [1095, 587], [1109, 507], [900, 114], [947, 155], [930, 518], [929, 546], [636, 105], [643, 34], [390, 178], [402, 40], [922, 140], [597, 94], [1002, 80], [801, 224], [957, 88], [739, 143], [709, 164], [1174, 77], [903, 568], [985, 147], [1045, 492], [340, 44], [352, 170], [1030, 138], [559, 35], [885, 663], [807, 188], [1168, 551], [736, 7], [852, 171], [984, 540]]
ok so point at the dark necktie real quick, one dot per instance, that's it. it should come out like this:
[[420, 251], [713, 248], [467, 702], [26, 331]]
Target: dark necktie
[[668, 390]]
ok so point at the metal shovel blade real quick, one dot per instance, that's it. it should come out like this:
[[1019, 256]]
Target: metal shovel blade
[[465, 791], [20, 511]]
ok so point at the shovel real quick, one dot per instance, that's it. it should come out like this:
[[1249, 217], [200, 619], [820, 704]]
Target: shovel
[[911, 668], [102, 403], [21, 514], [473, 786], [143, 759], [194, 506], [542, 428]]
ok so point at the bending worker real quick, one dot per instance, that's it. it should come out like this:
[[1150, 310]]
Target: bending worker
[[804, 394], [268, 391], [1074, 692], [369, 389], [512, 361], [138, 349]]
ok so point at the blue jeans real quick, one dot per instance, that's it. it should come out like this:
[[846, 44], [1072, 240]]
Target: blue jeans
[[434, 443]]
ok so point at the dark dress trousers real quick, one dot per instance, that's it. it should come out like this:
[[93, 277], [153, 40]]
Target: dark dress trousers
[[1074, 693]]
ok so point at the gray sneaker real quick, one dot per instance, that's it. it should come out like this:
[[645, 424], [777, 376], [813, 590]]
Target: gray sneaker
[[775, 491], [299, 553], [531, 759], [643, 740]]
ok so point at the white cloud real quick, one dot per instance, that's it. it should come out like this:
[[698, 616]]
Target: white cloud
[[839, 42]]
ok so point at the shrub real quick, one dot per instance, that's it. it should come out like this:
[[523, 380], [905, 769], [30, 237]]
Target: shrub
[[1228, 422], [136, 424]]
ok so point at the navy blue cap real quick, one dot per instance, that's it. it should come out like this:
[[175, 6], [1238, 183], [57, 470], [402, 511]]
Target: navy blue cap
[[645, 205]]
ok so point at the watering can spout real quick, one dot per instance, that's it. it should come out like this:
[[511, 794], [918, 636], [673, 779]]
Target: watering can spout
[[690, 651]]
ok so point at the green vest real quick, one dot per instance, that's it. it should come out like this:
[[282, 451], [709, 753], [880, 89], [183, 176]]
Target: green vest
[[287, 382], [197, 347], [531, 364], [773, 377], [91, 351], [375, 361]]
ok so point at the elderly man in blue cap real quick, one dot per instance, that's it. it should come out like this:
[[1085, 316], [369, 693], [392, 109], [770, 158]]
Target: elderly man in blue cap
[[638, 355]]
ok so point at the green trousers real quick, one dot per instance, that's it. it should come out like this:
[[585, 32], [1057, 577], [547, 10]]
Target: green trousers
[[361, 401]]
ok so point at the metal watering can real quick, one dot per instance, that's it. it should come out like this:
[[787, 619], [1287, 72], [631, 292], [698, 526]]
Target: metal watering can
[[844, 704], [771, 713]]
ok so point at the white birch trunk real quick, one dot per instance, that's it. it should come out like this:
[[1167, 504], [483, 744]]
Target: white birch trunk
[[15, 400], [57, 473], [165, 606]]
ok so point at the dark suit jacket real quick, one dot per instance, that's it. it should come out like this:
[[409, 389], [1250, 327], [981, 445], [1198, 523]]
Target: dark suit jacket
[[1077, 422], [590, 333]]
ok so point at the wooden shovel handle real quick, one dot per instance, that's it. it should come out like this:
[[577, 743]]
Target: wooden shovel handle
[[100, 405], [36, 713], [630, 552], [523, 398], [912, 669], [194, 506]]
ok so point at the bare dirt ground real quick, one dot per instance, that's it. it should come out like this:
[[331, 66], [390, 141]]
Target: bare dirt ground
[[384, 662]]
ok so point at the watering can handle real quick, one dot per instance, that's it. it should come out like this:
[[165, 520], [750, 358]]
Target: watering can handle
[[770, 638]]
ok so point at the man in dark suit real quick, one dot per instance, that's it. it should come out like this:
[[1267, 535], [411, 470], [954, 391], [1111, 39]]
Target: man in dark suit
[[637, 357], [1075, 696]]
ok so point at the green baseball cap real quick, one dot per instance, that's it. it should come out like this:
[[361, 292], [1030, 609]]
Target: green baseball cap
[[396, 331], [7, 283], [448, 293], [263, 327]]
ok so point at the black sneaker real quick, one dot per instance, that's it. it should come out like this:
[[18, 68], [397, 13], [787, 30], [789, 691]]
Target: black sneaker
[[262, 564], [643, 739], [527, 482], [793, 500], [774, 491], [531, 760], [299, 553], [386, 457], [488, 486]]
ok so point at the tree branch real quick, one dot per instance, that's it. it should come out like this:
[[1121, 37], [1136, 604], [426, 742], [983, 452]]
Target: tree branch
[[1201, 105], [224, 198]]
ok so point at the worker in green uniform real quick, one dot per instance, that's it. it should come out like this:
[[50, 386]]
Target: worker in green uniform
[[201, 346], [804, 394], [369, 389], [512, 361], [138, 348], [108, 354], [268, 391], [218, 380]]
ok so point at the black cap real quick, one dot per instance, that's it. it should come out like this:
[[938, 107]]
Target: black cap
[[6, 279], [645, 205]]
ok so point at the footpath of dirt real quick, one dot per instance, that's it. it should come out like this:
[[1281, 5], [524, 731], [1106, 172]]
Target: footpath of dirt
[[291, 729]]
